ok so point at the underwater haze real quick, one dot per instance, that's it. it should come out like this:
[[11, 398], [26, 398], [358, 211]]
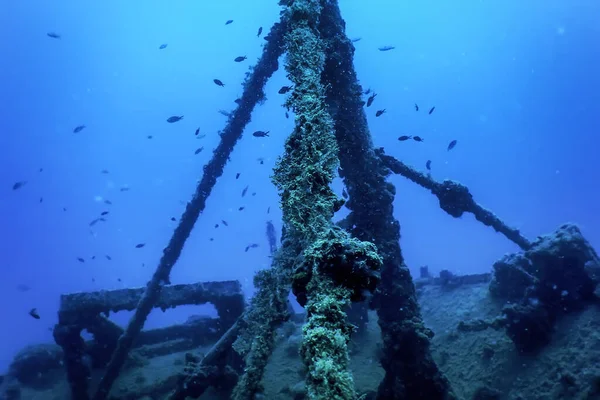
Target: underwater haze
[[94, 178]]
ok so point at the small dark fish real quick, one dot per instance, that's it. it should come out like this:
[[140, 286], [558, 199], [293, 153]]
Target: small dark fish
[[197, 132], [218, 82], [370, 99], [124, 189], [53, 35], [251, 246], [241, 208], [367, 91], [237, 175], [216, 226], [261, 134], [237, 101], [64, 208], [79, 128], [34, 313], [386, 48], [253, 193], [109, 258], [259, 31], [200, 137], [287, 115], [198, 150], [224, 222], [452, 144], [140, 245], [418, 139], [81, 260], [95, 221], [225, 113], [41, 199], [149, 136], [93, 257], [163, 46], [119, 279], [22, 287], [104, 171], [344, 193], [357, 39], [416, 107], [41, 169], [240, 58], [245, 191], [428, 165], [404, 137], [269, 210], [284, 89], [228, 21], [108, 202], [211, 239], [432, 108], [261, 160], [380, 113], [174, 118], [19, 185], [104, 213], [173, 219]]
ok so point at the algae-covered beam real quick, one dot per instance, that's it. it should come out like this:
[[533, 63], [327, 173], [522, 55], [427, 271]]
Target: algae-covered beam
[[253, 94], [455, 199], [410, 372], [73, 305], [267, 310], [330, 269]]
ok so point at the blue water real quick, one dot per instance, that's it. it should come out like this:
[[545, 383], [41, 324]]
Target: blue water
[[515, 83]]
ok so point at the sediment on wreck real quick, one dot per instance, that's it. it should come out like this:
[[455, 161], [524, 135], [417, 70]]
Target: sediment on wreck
[[410, 372], [332, 269]]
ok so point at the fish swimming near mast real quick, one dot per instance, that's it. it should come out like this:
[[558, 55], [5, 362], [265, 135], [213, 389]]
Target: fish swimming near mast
[[19, 185], [174, 118], [370, 99]]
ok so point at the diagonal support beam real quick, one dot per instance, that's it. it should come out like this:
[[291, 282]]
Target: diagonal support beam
[[455, 199], [253, 94]]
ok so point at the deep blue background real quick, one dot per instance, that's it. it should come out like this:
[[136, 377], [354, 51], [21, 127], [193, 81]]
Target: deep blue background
[[516, 84]]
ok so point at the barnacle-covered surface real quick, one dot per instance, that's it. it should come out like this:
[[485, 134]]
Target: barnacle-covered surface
[[475, 362]]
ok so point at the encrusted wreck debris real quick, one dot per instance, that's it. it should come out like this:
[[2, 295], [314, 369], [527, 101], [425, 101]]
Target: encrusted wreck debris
[[329, 267], [81, 311], [557, 275]]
